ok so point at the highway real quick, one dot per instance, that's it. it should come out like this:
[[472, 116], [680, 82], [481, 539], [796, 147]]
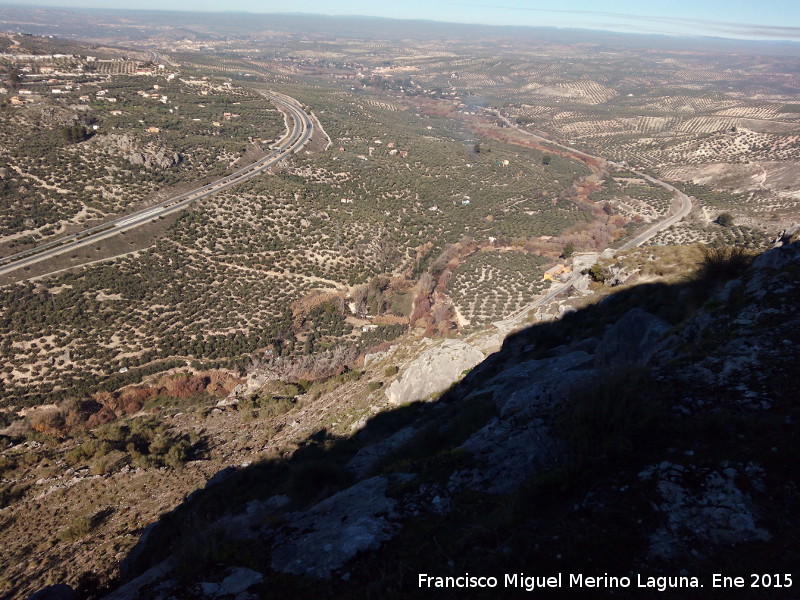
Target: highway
[[297, 135]]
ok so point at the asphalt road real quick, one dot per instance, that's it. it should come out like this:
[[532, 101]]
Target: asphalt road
[[295, 138], [685, 208], [686, 203]]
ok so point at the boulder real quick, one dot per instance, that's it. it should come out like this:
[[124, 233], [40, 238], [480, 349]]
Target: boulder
[[321, 539], [60, 591], [238, 580], [436, 369], [631, 341]]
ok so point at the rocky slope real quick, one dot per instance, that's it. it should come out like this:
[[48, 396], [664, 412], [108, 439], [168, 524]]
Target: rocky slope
[[651, 433]]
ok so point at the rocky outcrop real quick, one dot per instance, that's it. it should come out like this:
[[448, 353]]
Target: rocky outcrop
[[369, 456], [150, 155], [56, 116], [631, 341], [237, 581], [778, 257], [518, 443], [436, 369], [317, 541], [718, 511]]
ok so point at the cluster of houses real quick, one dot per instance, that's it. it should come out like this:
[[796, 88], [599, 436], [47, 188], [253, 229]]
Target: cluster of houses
[[58, 75], [80, 79], [392, 151], [154, 94]]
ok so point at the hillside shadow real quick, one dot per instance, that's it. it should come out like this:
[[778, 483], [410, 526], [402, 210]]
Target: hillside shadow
[[564, 519]]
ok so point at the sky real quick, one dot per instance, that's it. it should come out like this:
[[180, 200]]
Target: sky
[[742, 19]]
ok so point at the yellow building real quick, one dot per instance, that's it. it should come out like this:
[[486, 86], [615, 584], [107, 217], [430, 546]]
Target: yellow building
[[557, 273]]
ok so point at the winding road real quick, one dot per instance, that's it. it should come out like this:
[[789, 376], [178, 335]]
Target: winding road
[[296, 136], [685, 202], [516, 319]]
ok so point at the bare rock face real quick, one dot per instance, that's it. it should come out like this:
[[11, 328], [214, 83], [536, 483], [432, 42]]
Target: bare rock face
[[718, 512], [434, 371], [252, 384], [154, 158], [152, 155], [369, 456], [318, 541], [518, 442], [632, 340], [54, 592], [780, 256], [237, 581], [56, 116]]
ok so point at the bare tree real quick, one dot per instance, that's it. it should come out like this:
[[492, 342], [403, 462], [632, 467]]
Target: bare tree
[[426, 283]]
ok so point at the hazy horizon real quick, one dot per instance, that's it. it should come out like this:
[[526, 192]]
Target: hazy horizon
[[773, 20]]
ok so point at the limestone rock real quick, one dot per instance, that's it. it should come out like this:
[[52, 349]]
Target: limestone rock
[[321, 539], [434, 371], [719, 512], [366, 458], [508, 453], [516, 444], [778, 258], [253, 383], [518, 388], [60, 591], [151, 155], [238, 581], [632, 340]]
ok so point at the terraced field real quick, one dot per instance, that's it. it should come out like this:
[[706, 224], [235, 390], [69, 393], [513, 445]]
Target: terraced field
[[242, 271], [692, 233], [489, 285]]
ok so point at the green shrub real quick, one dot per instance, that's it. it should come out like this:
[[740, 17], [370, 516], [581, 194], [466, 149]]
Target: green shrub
[[598, 273], [78, 528], [726, 219], [103, 465], [603, 421], [722, 263], [267, 406], [317, 478], [177, 454]]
